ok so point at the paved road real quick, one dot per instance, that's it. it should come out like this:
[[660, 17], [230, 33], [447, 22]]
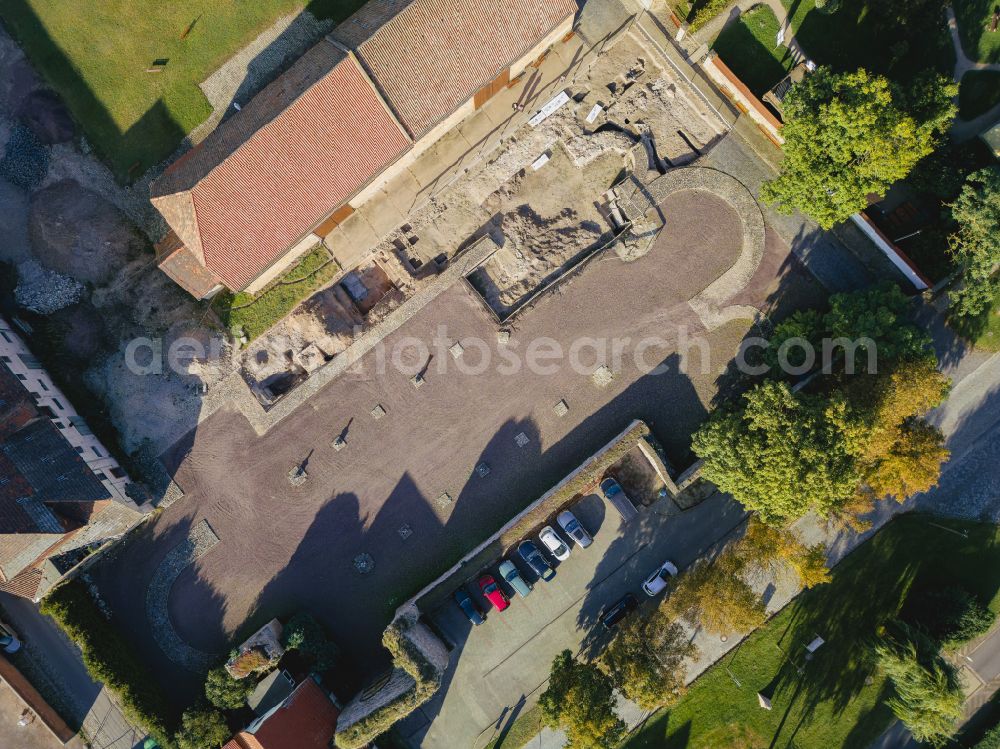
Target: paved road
[[970, 481], [84, 702]]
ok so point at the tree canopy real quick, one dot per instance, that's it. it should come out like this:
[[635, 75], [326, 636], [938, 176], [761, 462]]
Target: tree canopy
[[976, 246], [879, 313], [849, 135], [580, 700], [780, 455], [225, 692], [202, 729], [769, 547], [714, 594], [928, 697], [646, 659]]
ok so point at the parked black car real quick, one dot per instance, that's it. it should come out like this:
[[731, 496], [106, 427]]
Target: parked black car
[[618, 611], [466, 604], [531, 554]]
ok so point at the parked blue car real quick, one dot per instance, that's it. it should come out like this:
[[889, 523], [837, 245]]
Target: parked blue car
[[466, 604], [533, 557]]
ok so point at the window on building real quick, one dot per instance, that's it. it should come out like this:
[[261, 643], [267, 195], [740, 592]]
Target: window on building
[[6, 336], [117, 472], [42, 385], [57, 404], [80, 424], [30, 361], [96, 451]]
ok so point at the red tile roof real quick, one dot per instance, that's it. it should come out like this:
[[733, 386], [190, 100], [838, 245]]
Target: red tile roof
[[295, 152], [430, 56], [307, 719]]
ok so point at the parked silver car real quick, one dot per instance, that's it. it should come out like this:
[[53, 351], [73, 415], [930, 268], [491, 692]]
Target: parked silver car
[[513, 577], [568, 522], [553, 543]]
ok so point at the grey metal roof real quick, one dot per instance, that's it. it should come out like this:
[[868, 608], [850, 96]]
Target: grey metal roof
[[51, 466]]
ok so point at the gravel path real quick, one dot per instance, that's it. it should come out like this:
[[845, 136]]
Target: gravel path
[[199, 541]]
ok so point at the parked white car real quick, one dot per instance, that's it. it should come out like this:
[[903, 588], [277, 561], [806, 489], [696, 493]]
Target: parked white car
[[657, 582], [568, 522], [553, 543]]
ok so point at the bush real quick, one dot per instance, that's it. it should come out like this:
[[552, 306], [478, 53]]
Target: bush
[[706, 12], [991, 740], [25, 161], [305, 634], [225, 692], [110, 659], [202, 729]]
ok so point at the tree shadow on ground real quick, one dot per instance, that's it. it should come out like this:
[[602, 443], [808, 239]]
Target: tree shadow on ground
[[868, 591]]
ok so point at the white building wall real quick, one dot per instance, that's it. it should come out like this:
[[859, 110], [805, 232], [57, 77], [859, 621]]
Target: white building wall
[[19, 359]]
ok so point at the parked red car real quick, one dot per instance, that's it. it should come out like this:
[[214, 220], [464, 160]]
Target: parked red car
[[493, 593]]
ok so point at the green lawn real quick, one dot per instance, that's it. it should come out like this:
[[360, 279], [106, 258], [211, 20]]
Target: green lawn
[[839, 701], [973, 27], [847, 40], [254, 315], [96, 55], [979, 92], [749, 47], [525, 727]]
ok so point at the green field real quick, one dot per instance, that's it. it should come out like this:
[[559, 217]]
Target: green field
[[848, 40], [839, 699], [96, 54], [749, 48], [979, 92], [978, 41]]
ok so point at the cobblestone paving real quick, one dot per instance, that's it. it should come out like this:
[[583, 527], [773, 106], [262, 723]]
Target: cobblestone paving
[[200, 540]]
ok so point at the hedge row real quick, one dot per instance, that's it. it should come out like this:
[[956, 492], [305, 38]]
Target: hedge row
[[407, 656], [110, 659]]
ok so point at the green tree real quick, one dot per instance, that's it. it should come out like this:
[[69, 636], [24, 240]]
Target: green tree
[[225, 692], [713, 594], [976, 246], [202, 729], [928, 698], [779, 455], [804, 325], [580, 700], [848, 135], [881, 314], [305, 634], [646, 659]]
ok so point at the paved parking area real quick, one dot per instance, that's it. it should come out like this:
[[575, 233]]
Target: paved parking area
[[506, 660]]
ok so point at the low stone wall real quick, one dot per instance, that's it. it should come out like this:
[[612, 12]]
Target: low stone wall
[[742, 97], [233, 391], [420, 660], [200, 540]]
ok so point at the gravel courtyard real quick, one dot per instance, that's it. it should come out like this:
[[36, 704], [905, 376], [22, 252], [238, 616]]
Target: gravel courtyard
[[284, 548]]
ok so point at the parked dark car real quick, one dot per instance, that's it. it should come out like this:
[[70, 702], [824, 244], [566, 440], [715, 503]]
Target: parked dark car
[[618, 611], [616, 496], [530, 554], [469, 607]]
